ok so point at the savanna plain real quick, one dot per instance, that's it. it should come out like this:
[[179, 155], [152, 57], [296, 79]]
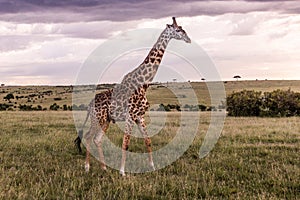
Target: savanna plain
[[254, 158]]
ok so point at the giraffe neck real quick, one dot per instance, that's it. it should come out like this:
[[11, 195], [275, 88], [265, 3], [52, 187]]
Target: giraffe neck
[[145, 72], [151, 63], [137, 80], [162, 42]]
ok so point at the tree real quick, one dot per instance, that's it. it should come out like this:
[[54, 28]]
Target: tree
[[9, 96], [237, 77]]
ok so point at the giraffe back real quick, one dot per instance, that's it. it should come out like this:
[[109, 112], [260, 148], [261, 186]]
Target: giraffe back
[[101, 107]]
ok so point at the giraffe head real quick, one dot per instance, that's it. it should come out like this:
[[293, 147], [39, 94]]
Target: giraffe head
[[177, 32]]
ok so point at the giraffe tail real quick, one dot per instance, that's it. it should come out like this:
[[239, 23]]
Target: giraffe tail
[[77, 141]]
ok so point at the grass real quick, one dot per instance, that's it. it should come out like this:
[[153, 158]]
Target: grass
[[255, 158]]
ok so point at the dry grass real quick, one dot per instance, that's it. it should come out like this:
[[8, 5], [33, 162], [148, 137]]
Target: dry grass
[[255, 158]]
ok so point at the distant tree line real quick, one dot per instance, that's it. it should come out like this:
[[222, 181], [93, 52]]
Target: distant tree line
[[187, 107], [53, 107], [278, 103], [25, 107]]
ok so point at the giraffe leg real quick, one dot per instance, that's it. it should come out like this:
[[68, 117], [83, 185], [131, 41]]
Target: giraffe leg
[[142, 128], [125, 145], [88, 137], [98, 141], [87, 161]]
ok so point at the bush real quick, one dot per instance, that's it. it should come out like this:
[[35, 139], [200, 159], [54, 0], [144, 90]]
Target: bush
[[30, 107], [162, 107], [169, 107], [199, 107], [54, 107], [202, 107], [8, 97], [244, 103], [65, 107], [278, 103], [3, 106], [80, 107]]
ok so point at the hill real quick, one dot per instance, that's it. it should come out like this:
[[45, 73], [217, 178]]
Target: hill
[[60, 97]]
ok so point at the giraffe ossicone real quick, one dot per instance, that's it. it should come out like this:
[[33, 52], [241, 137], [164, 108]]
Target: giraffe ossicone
[[127, 101]]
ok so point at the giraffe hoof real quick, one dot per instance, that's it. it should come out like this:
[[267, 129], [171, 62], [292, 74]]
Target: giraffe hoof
[[122, 173]]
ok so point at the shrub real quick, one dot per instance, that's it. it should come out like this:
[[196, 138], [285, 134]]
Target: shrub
[[8, 97], [54, 107], [29, 107], [202, 107], [39, 107], [3, 106], [278, 103], [168, 107], [162, 107], [80, 107], [178, 108], [244, 103]]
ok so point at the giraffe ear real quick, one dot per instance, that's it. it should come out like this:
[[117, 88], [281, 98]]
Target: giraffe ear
[[168, 25]]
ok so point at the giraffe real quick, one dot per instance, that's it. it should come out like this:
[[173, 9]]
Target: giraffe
[[127, 101]]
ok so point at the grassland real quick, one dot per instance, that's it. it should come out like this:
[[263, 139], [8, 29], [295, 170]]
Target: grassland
[[255, 158]]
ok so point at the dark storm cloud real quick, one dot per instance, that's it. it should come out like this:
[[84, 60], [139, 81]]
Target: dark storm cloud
[[116, 10]]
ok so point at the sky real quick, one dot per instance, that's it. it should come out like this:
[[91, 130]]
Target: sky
[[46, 42]]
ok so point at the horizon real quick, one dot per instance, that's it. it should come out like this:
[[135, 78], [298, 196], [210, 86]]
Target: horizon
[[152, 83]]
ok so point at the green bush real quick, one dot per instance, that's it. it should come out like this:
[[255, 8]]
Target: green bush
[[54, 107], [25, 107], [162, 107], [169, 107], [244, 103], [278, 103], [8, 97], [202, 107], [3, 106]]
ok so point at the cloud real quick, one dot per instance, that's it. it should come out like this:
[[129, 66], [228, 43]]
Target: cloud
[[17, 36], [245, 24], [66, 11], [35, 73], [45, 42]]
